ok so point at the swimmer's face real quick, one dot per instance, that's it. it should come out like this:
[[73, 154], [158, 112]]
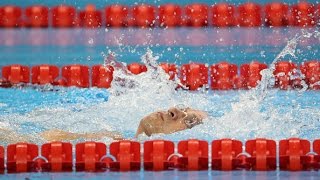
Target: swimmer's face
[[170, 121]]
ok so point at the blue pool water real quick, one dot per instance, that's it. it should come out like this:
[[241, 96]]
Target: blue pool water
[[241, 115], [178, 45]]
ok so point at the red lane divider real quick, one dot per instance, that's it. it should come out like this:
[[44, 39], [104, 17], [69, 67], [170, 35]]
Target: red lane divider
[[2, 159], [127, 154], [16, 73], [58, 155], [223, 75], [102, 76], [20, 157], [144, 15], [194, 75], [262, 154], [37, 16], [116, 15], [292, 153], [90, 17], [170, 15], [10, 16], [316, 149], [44, 74], [224, 154], [63, 16], [194, 155], [223, 15], [277, 14], [88, 156], [156, 155], [76, 75], [302, 14], [196, 15], [250, 15], [311, 71], [136, 68], [170, 69], [283, 73], [250, 74]]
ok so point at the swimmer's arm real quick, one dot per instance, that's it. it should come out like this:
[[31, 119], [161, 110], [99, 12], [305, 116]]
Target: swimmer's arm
[[11, 137], [59, 135]]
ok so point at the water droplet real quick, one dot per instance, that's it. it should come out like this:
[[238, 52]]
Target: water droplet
[[91, 41]]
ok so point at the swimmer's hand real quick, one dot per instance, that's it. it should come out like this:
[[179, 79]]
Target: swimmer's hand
[[59, 135]]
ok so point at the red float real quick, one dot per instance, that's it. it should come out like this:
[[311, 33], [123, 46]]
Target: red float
[[283, 72], [169, 69], [249, 15], [102, 76], [144, 15], [63, 16], [276, 14], [20, 157], [292, 154], [316, 149], [44, 74], [223, 75], [224, 154], [316, 146], [250, 73], [1, 159], [317, 14], [60, 82], [194, 155], [194, 75], [303, 14], [156, 154], [10, 16], [37, 16], [116, 15], [90, 17], [223, 15], [16, 73], [59, 156], [262, 154], [127, 155], [196, 15], [136, 68], [170, 15], [89, 155], [311, 71], [76, 75]]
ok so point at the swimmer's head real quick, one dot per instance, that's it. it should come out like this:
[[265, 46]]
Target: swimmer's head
[[170, 121]]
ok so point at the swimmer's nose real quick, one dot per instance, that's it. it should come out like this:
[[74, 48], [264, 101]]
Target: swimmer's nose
[[175, 113]]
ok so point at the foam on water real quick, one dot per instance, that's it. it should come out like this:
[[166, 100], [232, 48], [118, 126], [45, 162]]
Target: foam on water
[[260, 112]]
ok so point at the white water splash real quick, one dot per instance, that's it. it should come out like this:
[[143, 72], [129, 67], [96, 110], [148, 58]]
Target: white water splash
[[240, 115]]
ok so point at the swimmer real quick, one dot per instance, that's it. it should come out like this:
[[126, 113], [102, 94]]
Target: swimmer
[[160, 122]]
